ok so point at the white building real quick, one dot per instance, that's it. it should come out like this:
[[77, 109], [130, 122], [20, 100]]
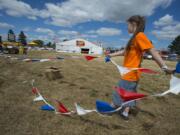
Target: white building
[[79, 46]]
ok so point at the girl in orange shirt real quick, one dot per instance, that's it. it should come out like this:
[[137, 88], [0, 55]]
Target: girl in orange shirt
[[133, 53]]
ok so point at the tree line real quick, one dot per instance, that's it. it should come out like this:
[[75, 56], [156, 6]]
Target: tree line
[[22, 39]]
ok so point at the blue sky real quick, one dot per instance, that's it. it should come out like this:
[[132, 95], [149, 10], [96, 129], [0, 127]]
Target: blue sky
[[96, 20]]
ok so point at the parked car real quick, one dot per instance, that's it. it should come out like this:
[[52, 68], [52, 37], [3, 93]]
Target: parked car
[[147, 56], [173, 57], [165, 57]]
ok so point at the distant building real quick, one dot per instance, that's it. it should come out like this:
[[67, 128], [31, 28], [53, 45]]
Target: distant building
[[79, 46]]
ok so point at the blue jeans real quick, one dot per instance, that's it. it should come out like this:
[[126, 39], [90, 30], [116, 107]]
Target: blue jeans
[[127, 85]]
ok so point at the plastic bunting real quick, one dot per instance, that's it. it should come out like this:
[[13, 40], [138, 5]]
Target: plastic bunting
[[82, 111], [44, 60], [174, 87], [146, 70], [128, 95], [177, 68], [47, 107], [62, 109], [88, 57], [27, 60], [60, 58], [36, 60], [125, 70], [39, 98], [107, 59], [34, 90], [104, 107]]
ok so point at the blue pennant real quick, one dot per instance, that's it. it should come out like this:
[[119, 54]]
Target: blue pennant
[[107, 59], [47, 108], [103, 107], [178, 67]]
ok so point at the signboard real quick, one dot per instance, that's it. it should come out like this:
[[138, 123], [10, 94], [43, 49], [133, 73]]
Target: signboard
[[80, 43]]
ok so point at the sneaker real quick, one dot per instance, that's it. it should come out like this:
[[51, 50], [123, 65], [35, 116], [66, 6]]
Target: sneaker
[[124, 115]]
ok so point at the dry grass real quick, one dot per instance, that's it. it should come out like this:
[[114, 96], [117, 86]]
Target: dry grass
[[82, 82]]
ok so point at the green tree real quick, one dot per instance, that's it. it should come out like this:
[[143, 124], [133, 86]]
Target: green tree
[[39, 42], [22, 38], [49, 44], [0, 39], [11, 36], [53, 45], [174, 47]]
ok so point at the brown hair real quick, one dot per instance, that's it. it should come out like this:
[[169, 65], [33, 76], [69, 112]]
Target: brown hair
[[140, 22]]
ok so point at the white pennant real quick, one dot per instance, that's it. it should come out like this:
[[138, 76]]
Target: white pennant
[[123, 70], [39, 98], [44, 60], [174, 86], [82, 111], [26, 60]]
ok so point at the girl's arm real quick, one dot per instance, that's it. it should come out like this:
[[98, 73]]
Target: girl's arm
[[157, 57], [119, 53], [159, 61]]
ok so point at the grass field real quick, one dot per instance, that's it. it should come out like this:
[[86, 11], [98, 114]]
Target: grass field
[[82, 82]]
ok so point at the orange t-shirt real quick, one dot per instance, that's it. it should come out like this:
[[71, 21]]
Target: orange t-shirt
[[132, 59]]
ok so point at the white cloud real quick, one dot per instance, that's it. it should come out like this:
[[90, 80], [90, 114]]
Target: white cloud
[[73, 12], [88, 36], [18, 8], [167, 32], [165, 20], [66, 32], [167, 29], [45, 31], [6, 25], [78, 11], [106, 31], [26, 29], [75, 34]]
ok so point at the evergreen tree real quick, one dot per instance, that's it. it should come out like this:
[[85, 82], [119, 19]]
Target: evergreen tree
[[40, 43], [22, 38], [0, 40], [11, 36], [175, 45]]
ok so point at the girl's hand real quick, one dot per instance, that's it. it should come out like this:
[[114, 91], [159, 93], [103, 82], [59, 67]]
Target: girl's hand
[[168, 70]]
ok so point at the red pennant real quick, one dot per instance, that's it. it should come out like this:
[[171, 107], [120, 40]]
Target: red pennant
[[127, 95], [88, 58], [62, 108], [51, 58], [148, 71], [34, 90]]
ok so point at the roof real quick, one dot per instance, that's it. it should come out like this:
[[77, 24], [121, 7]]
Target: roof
[[78, 39]]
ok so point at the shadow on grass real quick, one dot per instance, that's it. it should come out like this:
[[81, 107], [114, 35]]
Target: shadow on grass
[[107, 126]]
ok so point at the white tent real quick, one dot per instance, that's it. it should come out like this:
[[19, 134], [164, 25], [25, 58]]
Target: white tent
[[79, 46]]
